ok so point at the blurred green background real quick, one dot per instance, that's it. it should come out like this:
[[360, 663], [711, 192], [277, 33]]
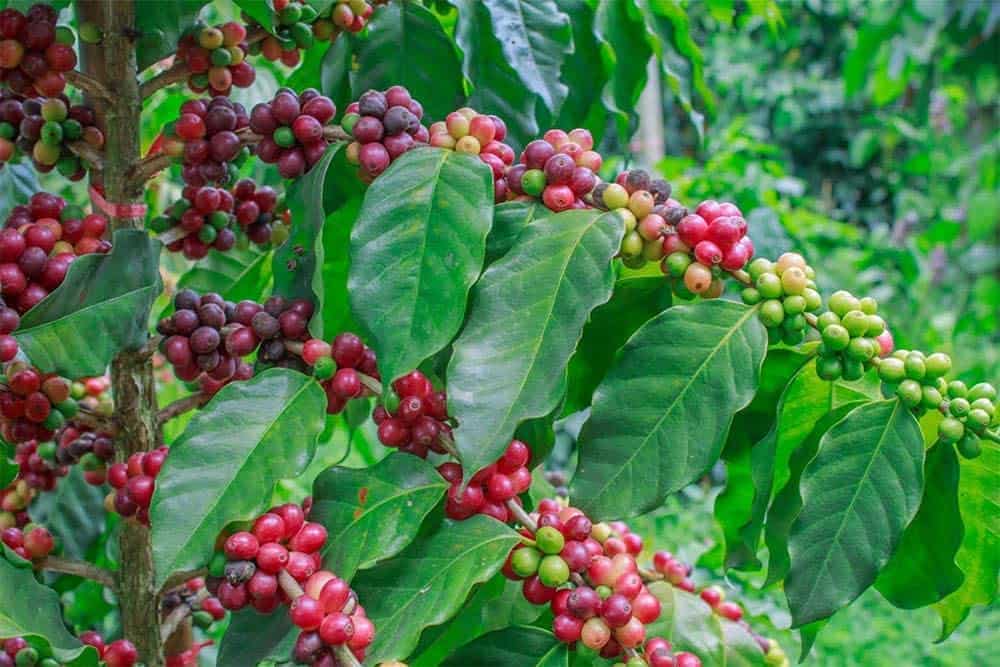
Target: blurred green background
[[865, 134]]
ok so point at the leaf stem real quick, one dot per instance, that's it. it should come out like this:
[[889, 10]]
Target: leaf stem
[[180, 406], [78, 568], [370, 383], [87, 84], [523, 517], [991, 436]]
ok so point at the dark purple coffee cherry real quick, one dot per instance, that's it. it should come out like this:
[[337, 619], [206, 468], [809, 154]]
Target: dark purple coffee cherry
[[373, 103], [184, 321], [186, 299], [265, 325], [211, 315], [204, 340]]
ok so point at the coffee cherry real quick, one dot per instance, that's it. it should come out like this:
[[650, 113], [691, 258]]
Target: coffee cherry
[[553, 571]]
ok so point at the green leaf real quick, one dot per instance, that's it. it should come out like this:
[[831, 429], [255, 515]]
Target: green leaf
[[259, 10], [788, 501], [74, 511], [428, 582], [635, 301], [407, 46], [496, 87], [688, 623], [859, 493], [519, 645], [31, 610], [236, 274], [495, 605], [979, 555], [297, 261], [534, 37], [8, 469], [161, 25], [630, 460], [252, 637], [509, 220], [17, 183], [625, 42], [335, 316], [416, 249], [922, 571], [584, 73], [100, 309], [527, 315], [740, 647], [372, 514], [221, 469]]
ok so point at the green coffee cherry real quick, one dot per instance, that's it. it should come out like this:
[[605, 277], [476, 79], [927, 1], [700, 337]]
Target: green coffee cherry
[[549, 540], [826, 319], [678, 262], [604, 592], [915, 367], [855, 322], [26, 657], [795, 304], [769, 286], [984, 404], [842, 302], [957, 388], [931, 397], [950, 430], [853, 369], [861, 349], [553, 571], [750, 295], [876, 325], [891, 370], [969, 446], [829, 368], [813, 300], [202, 619], [533, 182], [959, 407], [324, 368], [524, 562], [910, 392], [772, 313], [983, 390], [836, 338], [937, 364], [978, 420], [868, 305], [759, 267]]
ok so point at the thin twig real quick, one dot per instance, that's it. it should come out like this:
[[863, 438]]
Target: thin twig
[[174, 74], [449, 446], [78, 568], [522, 516], [373, 385], [94, 156], [175, 233], [649, 575], [149, 166], [96, 422], [180, 406], [991, 436], [178, 578], [87, 84]]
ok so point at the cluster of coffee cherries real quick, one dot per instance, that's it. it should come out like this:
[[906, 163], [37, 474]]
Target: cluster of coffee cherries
[[39, 242], [853, 334], [490, 488], [341, 368], [204, 138], [205, 608], [968, 412], [216, 58], [33, 542], [119, 653], [292, 127], [786, 293], [384, 124], [33, 405], [91, 450], [560, 169], [294, 28], [419, 423], [468, 131], [645, 207], [34, 52], [329, 615], [200, 220], [43, 130], [9, 321], [14, 501], [134, 482], [257, 212]]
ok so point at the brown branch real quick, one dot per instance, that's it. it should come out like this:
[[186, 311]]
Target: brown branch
[[330, 133], [77, 568], [180, 406], [179, 578], [149, 166], [649, 576], [83, 150], [96, 422], [87, 84], [174, 74]]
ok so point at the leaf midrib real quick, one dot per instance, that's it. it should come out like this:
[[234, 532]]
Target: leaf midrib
[[849, 510], [738, 325]]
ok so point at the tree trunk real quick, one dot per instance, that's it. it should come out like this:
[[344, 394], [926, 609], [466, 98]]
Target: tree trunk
[[113, 62]]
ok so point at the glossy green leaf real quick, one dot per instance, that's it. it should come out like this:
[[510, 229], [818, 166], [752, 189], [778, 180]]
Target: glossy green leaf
[[858, 494], [298, 260], [252, 637], [922, 570], [584, 72], [740, 647], [336, 316], [495, 605], [161, 25], [625, 42], [372, 514], [429, 581], [509, 220], [74, 511], [100, 309], [630, 460], [788, 502], [236, 274], [259, 10], [17, 183], [635, 301], [979, 555], [527, 315], [8, 469], [32, 610], [248, 437], [407, 46], [496, 86], [416, 249], [689, 624], [534, 37], [525, 646]]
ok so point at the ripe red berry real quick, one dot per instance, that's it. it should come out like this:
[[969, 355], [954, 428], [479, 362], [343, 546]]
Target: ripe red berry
[[241, 546], [616, 610], [272, 557], [311, 537], [336, 629], [306, 613]]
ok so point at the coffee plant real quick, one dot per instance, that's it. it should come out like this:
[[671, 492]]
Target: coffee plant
[[424, 269]]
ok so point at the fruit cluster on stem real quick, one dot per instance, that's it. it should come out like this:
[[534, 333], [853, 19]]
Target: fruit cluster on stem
[[419, 423], [292, 129], [560, 169], [216, 58], [384, 125], [468, 131], [204, 138], [35, 53], [51, 131]]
